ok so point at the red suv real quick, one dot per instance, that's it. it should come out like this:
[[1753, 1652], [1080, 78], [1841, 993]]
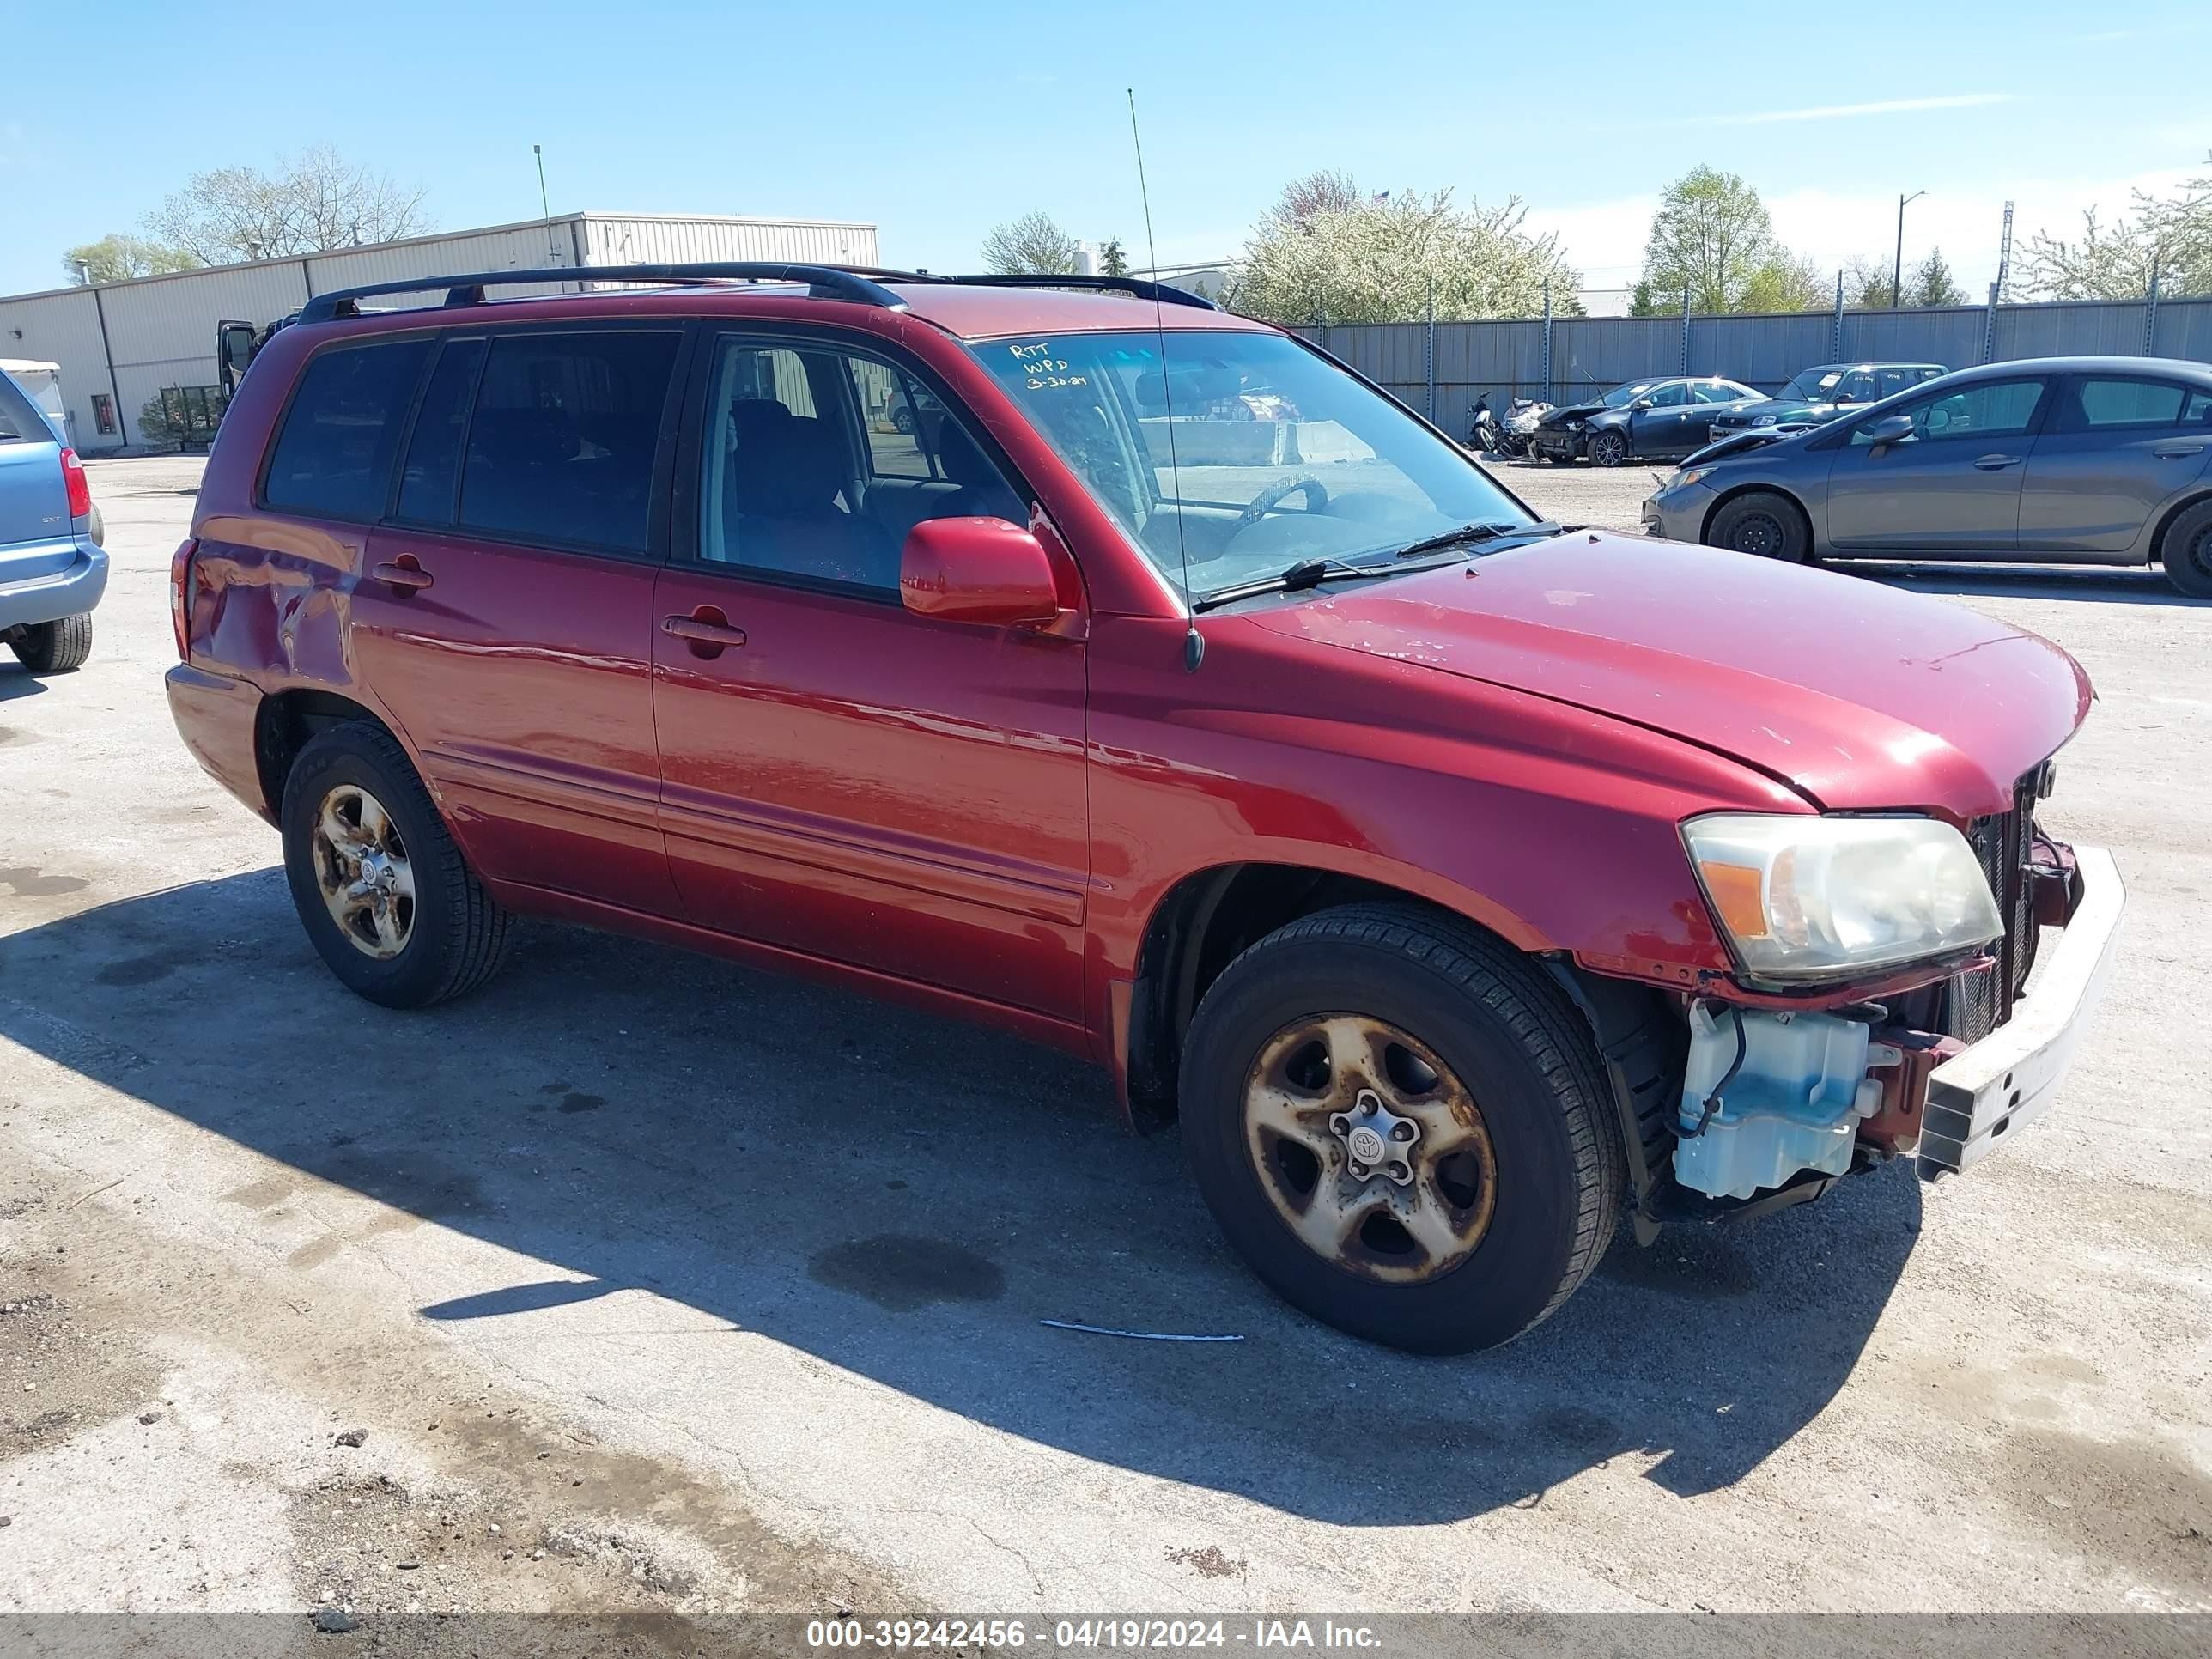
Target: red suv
[[1138, 678]]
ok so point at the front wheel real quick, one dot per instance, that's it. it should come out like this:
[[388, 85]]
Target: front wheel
[[1762, 523], [2187, 551], [54, 647], [1402, 1127], [1608, 449], [379, 884]]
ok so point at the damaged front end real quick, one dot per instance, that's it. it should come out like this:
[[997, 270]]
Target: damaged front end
[[1782, 1094]]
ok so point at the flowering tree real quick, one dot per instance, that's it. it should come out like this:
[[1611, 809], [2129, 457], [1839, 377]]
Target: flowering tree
[[1340, 259], [2114, 261]]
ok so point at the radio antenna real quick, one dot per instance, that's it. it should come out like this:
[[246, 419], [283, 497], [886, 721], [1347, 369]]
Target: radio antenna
[[1194, 642]]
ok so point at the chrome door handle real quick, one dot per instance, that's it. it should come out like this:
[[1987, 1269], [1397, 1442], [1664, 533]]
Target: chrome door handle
[[1995, 463], [2174, 449], [707, 630], [404, 575]]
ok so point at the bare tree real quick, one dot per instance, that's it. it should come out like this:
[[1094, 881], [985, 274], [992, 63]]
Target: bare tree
[[1032, 246], [311, 202], [1317, 192]]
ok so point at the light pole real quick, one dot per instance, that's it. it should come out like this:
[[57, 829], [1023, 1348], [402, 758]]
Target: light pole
[[544, 205], [1897, 271]]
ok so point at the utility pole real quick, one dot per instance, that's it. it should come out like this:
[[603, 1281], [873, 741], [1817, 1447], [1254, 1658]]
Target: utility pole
[[1836, 344], [2004, 252], [2150, 305], [1896, 272], [545, 205], [1547, 339]]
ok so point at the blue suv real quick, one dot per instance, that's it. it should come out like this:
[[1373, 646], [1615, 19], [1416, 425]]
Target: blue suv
[[51, 571]]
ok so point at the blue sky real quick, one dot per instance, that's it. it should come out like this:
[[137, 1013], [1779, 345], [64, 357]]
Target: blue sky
[[935, 121]]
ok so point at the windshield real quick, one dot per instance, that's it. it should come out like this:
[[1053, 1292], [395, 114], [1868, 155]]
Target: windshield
[[1272, 456], [1814, 385], [1621, 396]]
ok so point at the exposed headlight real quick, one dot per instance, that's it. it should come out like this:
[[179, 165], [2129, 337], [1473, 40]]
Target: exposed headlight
[[1764, 420], [1574, 426], [1809, 898], [1686, 476]]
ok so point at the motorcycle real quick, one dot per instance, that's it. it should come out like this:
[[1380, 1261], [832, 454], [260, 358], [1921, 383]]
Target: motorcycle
[[1484, 432]]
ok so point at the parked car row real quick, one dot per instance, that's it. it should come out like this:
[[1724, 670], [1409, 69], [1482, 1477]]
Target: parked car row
[[2082, 460], [1666, 417]]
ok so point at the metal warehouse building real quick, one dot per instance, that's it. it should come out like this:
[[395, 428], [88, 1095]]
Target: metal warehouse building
[[120, 345]]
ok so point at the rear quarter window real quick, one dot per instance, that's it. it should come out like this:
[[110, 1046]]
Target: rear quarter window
[[563, 441], [333, 455], [19, 421]]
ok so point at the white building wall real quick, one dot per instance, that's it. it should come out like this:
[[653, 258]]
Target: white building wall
[[63, 328], [620, 239], [161, 330]]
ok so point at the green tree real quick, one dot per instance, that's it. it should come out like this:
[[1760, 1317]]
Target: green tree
[[1032, 246], [119, 255], [1931, 283], [1381, 260], [1786, 281], [1112, 262], [1712, 236]]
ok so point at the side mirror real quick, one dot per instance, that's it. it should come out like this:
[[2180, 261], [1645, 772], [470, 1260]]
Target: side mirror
[[1890, 429], [977, 570], [1641, 403]]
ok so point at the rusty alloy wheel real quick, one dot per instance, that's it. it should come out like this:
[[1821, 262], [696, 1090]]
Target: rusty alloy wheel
[[362, 867], [1371, 1150]]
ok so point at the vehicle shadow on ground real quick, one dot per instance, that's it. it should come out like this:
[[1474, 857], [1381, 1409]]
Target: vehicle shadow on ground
[[16, 681], [2105, 584], [906, 1198]]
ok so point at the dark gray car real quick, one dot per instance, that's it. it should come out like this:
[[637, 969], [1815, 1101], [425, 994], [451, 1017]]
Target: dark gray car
[[1664, 416], [2080, 460]]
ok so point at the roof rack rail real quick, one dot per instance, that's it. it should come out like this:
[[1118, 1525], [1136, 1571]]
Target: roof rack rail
[[822, 283], [1164, 292]]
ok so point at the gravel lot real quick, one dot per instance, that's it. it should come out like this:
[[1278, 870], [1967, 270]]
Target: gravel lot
[[660, 1284]]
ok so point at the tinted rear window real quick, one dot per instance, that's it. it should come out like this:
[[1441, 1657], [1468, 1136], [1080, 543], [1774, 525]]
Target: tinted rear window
[[562, 443], [19, 422], [433, 454], [333, 458]]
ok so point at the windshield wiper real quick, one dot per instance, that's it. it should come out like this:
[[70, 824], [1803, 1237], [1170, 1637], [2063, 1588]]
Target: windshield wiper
[[1306, 572], [1475, 532]]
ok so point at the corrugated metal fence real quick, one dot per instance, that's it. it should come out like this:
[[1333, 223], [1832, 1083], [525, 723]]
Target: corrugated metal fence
[[1441, 369]]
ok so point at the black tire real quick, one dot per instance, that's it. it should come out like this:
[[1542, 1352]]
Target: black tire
[[1608, 447], [2187, 551], [1496, 1023], [456, 937], [1764, 523], [54, 647]]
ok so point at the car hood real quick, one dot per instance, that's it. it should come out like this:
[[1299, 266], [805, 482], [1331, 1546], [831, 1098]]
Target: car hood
[[1857, 695], [1572, 412]]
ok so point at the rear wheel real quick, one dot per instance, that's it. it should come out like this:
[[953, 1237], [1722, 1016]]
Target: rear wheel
[[54, 647], [1400, 1126], [1608, 449], [2187, 551], [1761, 522], [381, 888]]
